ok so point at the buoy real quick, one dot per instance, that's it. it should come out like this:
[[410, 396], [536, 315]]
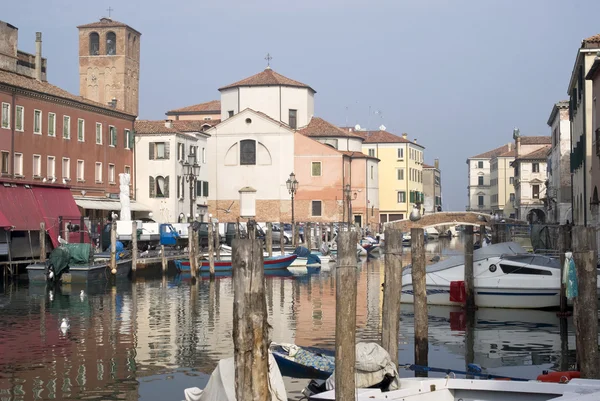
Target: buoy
[[558, 377], [114, 271]]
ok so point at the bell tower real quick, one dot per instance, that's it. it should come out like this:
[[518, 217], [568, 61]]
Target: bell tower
[[109, 64]]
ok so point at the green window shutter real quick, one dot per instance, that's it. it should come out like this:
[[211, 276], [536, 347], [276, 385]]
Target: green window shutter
[[198, 188], [167, 150], [166, 186], [151, 150], [205, 188], [412, 196], [152, 188]]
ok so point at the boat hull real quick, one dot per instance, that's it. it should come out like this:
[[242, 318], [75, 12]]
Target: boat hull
[[275, 263], [80, 273]]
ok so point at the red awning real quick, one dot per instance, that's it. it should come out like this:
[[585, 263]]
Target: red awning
[[55, 203], [4, 223], [19, 207]]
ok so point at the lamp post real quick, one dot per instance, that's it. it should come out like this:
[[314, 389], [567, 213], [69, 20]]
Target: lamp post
[[349, 198], [191, 172], [292, 186]]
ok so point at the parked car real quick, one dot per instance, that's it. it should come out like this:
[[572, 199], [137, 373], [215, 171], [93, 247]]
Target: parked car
[[276, 236]]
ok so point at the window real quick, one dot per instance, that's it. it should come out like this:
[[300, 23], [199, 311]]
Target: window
[[181, 152], [19, 118], [512, 197], [80, 170], [400, 174], [37, 166], [511, 180], [5, 115], [113, 135], [66, 168], [159, 150], [98, 133], [372, 172], [372, 152], [508, 269], [247, 152], [207, 118], [293, 119], [66, 127], [111, 44], [51, 124], [94, 44], [204, 188], [111, 173], [316, 208], [128, 139], [4, 166], [179, 187], [401, 197], [51, 167], [480, 164], [230, 113], [18, 164], [535, 167], [480, 201], [98, 173], [203, 155], [480, 180], [535, 191], [159, 187], [128, 171], [80, 130], [37, 122], [315, 169]]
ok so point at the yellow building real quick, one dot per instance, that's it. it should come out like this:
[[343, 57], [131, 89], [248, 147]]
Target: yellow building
[[400, 172], [502, 183]]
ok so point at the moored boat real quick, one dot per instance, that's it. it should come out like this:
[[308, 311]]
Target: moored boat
[[303, 362], [273, 263]]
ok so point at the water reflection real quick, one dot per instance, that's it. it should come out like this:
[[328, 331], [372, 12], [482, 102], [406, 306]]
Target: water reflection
[[154, 336]]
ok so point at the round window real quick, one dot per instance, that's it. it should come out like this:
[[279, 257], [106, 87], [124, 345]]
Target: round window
[[248, 121], [492, 268]]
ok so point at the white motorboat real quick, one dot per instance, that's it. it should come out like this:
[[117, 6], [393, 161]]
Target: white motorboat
[[432, 233], [506, 276], [447, 389]]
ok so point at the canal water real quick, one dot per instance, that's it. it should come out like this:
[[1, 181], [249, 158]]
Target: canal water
[[152, 337]]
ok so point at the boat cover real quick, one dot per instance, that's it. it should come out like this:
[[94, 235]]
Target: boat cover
[[324, 363], [221, 385], [311, 259], [69, 254], [373, 364], [490, 251]]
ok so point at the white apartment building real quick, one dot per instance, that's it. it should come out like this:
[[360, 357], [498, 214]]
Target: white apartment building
[[502, 187], [479, 188], [559, 168], [162, 150]]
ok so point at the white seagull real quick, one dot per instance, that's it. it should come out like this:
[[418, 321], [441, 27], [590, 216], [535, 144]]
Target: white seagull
[[144, 254], [64, 326], [82, 295], [61, 240]]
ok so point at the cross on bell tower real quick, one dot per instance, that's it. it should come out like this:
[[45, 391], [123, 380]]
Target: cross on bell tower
[[268, 58], [109, 9]]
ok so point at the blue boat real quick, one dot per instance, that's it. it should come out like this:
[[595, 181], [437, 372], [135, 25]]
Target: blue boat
[[303, 362], [273, 263]]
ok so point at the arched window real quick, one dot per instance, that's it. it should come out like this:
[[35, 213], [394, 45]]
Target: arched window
[[94, 44], [111, 44], [247, 152], [159, 187]]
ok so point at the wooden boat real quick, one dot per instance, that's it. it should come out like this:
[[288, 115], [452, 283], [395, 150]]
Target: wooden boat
[[303, 362], [95, 271], [224, 265]]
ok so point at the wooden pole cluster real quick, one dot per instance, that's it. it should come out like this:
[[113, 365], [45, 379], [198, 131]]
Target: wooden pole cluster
[[308, 236], [345, 316], [250, 335], [564, 245], [586, 312], [392, 291], [420, 297], [319, 234], [269, 239], [469, 278], [134, 245], [42, 242], [211, 251], [113, 247]]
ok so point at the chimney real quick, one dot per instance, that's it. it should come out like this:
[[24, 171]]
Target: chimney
[[169, 123], [113, 103], [415, 141], [518, 145], [38, 56], [509, 146], [405, 135], [436, 163]]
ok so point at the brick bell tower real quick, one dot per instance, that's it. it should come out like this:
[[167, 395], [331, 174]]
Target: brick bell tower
[[109, 64]]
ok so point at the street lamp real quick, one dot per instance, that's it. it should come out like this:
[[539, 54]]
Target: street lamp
[[349, 198], [292, 186], [191, 172]]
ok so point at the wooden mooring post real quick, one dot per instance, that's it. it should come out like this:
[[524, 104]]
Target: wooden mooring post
[[345, 316], [250, 326], [392, 291], [42, 242], [469, 278], [113, 247], [217, 242], [308, 235], [586, 306], [281, 238], [418, 275], [269, 239], [319, 234], [482, 232], [192, 251], [564, 245], [134, 245], [211, 251], [163, 259]]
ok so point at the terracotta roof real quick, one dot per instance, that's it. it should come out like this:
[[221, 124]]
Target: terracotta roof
[[212, 123], [491, 153], [540, 154], [32, 84], [267, 77], [593, 39], [106, 23], [381, 137], [317, 127], [510, 153], [158, 126], [428, 166], [212, 107], [536, 140], [357, 155]]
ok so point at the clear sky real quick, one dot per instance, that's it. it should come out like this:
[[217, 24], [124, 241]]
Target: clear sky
[[457, 75]]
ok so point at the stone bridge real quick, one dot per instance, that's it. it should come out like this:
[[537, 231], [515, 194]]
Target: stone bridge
[[449, 218]]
